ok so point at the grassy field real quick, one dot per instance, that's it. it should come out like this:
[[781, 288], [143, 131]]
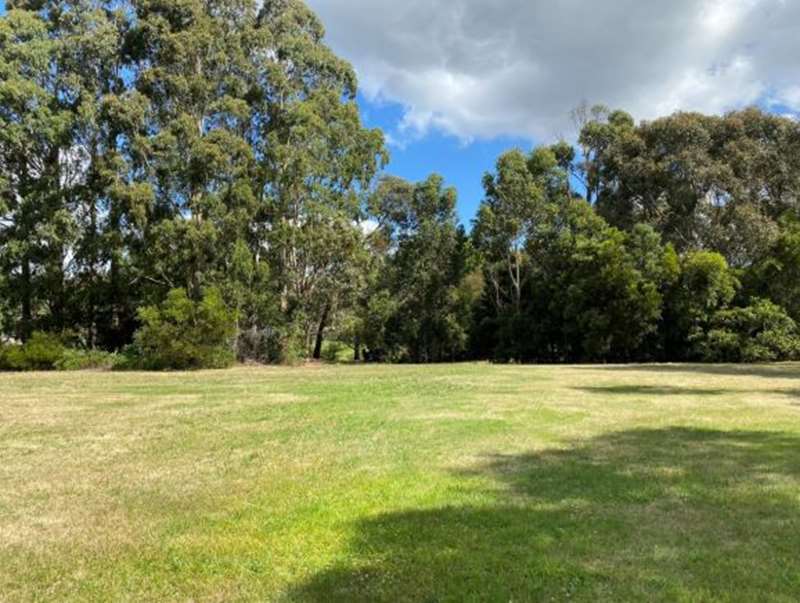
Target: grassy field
[[399, 483]]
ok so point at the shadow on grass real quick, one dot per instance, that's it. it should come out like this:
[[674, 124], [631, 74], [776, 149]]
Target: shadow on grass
[[654, 390], [768, 371], [659, 390], [672, 514]]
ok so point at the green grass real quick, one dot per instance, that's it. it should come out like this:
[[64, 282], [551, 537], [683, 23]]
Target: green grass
[[399, 483]]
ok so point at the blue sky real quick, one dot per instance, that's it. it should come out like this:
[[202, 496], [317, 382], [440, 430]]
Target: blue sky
[[460, 162]]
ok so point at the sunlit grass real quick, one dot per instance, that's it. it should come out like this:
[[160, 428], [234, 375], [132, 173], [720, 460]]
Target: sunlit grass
[[395, 483]]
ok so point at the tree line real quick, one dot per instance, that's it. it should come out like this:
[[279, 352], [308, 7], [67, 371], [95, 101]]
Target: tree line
[[189, 181]]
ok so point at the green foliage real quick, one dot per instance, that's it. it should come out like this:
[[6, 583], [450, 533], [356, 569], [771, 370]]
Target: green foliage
[[517, 200], [48, 352], [375, 318], [704, 182], [761, 332], [153, 145], [337, 351], [230, 154], [42, 352], [706, 285], [288, 345], [604, 304], [425, 300], [185, 334], [776, 275], [566, 287], [81, 360]]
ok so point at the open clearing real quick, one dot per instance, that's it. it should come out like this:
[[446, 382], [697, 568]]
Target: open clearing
[[394, 483]]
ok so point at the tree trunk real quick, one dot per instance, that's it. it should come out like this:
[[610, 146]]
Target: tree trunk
[[115, 299], [91, 334], [321, 332], [357, 349], [58, 305], [27, 314]]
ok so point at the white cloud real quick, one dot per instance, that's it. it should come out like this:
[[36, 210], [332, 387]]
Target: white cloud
[[789, 97], [483, 68]]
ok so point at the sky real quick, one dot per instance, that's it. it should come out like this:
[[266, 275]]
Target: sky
[[453, 83]]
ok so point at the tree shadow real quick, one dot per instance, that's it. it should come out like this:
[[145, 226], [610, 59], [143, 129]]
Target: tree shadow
[[669, 514], [654, 390], [767, 371]]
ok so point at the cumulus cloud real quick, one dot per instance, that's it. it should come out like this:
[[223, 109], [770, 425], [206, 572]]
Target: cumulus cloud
[[484, 68]]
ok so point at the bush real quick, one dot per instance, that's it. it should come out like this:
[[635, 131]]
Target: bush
[[706, 288], [6, 361], [128, 359], [82, 360], [284, 345], [182, 334], [47, 352], [40, 353], [337, 351], [762, 332], [288, 343]]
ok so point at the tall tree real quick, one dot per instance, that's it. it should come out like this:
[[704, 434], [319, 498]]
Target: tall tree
[[259, 148], [36, 226], [109, 148], [704, 182], [515, 203], [428, 306]]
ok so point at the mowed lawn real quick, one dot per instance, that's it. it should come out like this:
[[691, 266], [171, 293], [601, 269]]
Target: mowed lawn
[[399, 483]]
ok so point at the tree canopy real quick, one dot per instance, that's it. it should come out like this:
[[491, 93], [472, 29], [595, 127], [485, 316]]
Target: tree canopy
[[167, 160]]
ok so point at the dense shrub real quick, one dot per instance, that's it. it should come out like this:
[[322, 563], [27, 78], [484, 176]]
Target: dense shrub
[[776, 276], [706, 286], [337, 351], [47, 352], [762, 332], [287, 345], [81, 360], [7, 354], [284, 345], [182, 334], [41, 352]]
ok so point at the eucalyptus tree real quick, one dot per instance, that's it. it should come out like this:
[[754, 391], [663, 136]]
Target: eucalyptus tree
[[148, 145], [316, 162], [110, 149], [704, 182], [82, 132], [191, 64], [515, 201], [36, 225], [259, 159], [427, 294], [521, 198]]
